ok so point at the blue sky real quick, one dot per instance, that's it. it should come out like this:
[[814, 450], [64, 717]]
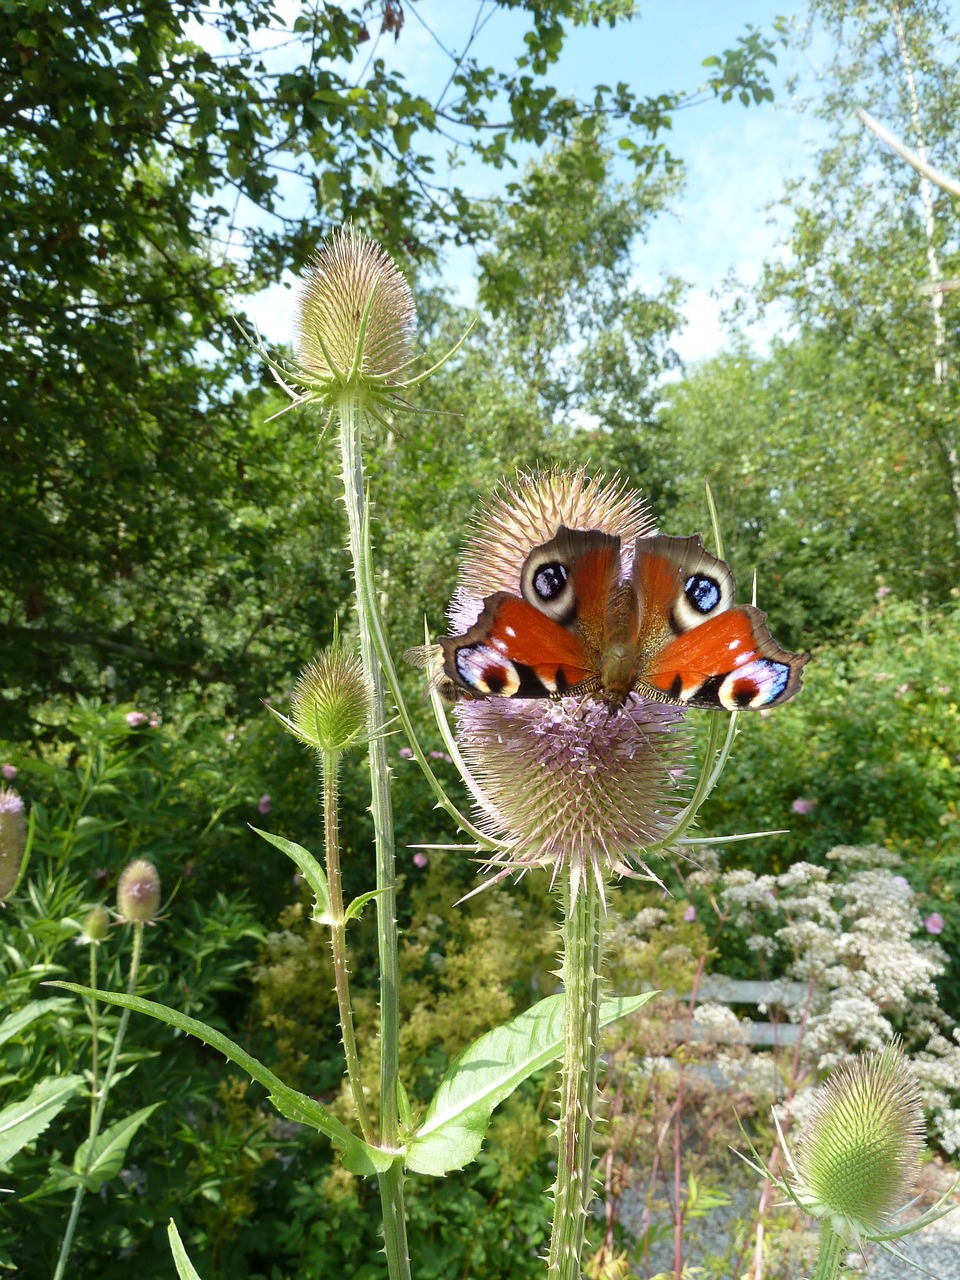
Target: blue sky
[[736, 159]]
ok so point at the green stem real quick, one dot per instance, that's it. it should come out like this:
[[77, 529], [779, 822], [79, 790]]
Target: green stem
[[338, 938], [578, 1077], [94, 1033], [831, 1253], [350, 409], [101, 1102]]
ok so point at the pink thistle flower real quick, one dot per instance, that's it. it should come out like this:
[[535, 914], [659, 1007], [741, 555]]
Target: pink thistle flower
[[690, 914], [406, 753], [420, 859], [9, 771], [803, 806], [883, 591], [934, 923], [264, 804], [135, 719]]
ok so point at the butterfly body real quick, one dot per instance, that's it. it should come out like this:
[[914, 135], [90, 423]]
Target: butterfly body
[[669, 630]]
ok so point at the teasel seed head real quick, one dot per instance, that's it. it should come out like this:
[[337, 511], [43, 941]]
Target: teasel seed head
[[95, 924], [350, 277], [858, 1150], [563, 783]]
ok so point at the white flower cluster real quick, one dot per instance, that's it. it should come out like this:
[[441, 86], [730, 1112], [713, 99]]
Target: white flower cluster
[[854, 937]]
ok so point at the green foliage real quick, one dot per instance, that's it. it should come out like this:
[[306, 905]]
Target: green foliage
[[872, 743], [101, 791]]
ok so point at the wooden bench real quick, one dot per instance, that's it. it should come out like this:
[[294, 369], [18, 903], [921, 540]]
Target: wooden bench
[[719, 989]]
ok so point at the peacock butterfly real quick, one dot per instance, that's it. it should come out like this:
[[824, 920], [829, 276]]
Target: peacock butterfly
[[670, 631]]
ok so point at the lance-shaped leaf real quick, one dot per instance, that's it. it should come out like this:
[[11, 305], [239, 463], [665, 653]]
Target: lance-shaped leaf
[[310, 868], [21, 1122], [33, 1009], [185, 1268], [97, 1162], [358, 1156], [486, 1073]]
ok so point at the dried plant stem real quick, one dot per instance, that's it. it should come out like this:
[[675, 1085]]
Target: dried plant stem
[[578, 1078], [350, 409], [330, 761], [99, 1103]]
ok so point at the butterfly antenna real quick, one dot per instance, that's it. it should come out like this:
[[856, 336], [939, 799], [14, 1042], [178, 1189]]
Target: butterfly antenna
[[754, 588]]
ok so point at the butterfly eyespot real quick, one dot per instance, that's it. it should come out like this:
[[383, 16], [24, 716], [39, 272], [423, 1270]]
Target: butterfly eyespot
[[702, 592], [482, 669], [550, 580], [758, 684]]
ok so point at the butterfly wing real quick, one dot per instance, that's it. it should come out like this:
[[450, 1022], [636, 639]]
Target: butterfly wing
[[697, 647], [546, 643], [514, 650]]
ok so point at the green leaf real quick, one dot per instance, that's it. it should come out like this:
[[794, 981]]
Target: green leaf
[[23, 1121], [32, 1010], [185, 1268], [486, 1073], [358, 1156], [313, 873], [357, 905], [96, 1163]]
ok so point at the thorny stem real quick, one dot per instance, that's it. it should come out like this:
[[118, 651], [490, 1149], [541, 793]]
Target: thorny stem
[[831, 1252], [330, 761], [351, 412], [573, 1190], [100, 1103]]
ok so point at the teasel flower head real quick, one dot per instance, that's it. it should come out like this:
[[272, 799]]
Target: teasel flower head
[[351, 279], [563, 783], [331, 703], [138, 892], [13, 840], [354, 325], [858, 1150]]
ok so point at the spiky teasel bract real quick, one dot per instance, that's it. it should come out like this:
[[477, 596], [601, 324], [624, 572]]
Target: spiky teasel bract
[[562, 783]]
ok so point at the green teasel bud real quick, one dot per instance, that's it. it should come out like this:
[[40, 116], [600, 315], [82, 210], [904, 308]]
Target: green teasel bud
[[331, 703], [95, 924], [138, 892], [13, 840], [858, 1150]]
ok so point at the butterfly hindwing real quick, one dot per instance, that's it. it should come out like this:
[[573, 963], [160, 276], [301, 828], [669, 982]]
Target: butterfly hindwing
[[729, 661], [515, 650]]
